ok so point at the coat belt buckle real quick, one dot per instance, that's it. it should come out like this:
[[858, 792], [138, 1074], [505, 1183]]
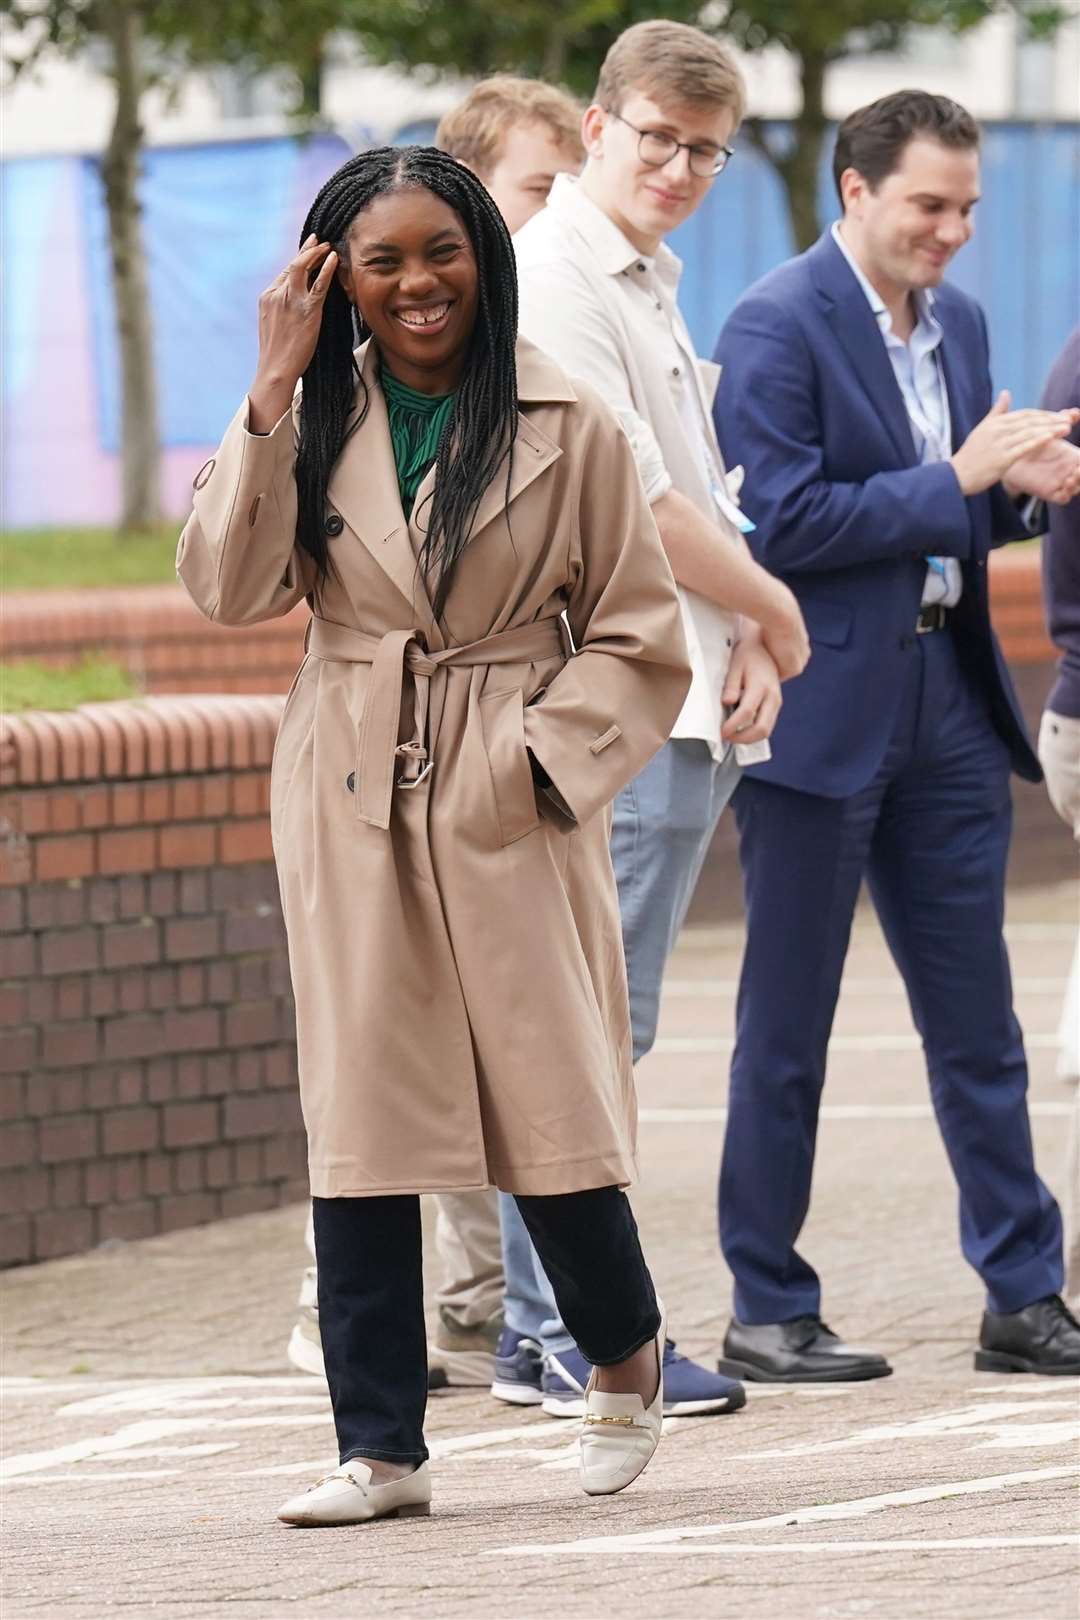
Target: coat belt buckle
[[414, 752], [415, 781]]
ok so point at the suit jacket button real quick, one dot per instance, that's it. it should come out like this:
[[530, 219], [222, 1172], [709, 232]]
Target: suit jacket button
[[350, 781], [905, 642], [334, 523]]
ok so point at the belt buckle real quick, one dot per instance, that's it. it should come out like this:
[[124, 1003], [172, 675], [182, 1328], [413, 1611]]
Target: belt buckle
[[405, 782], [414, 752], [934, 615]]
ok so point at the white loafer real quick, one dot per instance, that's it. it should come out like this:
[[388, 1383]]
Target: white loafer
[[347, 1496], [620, 1433]]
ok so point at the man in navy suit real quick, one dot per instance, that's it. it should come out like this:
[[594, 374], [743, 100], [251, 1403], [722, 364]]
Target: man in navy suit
[[856, 393]]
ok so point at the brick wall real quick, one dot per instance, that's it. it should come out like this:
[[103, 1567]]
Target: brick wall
[[147, 1064], [156, 632]]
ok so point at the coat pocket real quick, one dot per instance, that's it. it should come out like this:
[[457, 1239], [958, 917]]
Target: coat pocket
[[503, 725], [828, 623]]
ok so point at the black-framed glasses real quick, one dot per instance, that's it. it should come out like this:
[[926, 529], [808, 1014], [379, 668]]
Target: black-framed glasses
[[656, 149]]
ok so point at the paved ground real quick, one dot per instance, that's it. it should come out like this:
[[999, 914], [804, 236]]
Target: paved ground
[[151, 1425]]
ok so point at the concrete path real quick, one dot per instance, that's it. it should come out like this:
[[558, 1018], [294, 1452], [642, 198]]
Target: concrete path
[[151, 1424]]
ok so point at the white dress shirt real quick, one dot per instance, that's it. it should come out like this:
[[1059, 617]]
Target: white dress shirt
[[608, 314], [917, 367]]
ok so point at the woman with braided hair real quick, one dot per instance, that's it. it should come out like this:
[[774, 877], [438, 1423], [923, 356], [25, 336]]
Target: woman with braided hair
[[447, 503]]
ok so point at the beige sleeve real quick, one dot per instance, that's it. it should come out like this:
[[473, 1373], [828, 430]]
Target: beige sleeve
[[615, 701], [238, 556]]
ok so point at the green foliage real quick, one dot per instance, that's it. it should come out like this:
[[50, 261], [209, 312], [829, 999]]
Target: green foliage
[[178, 34], [567, 39], [67, 559], [26, 683]]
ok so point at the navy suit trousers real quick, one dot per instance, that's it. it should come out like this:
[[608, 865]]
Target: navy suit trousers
[[930, 834]]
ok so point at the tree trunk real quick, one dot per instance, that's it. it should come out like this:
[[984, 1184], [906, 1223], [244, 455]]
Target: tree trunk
[[799, 169], [139, 440], [311, 82], [554, 63]]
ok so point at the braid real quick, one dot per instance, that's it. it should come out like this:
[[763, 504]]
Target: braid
[[480, 431]]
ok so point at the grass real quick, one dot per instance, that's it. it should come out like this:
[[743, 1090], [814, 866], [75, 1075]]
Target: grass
[[66, 559], [26, 683]]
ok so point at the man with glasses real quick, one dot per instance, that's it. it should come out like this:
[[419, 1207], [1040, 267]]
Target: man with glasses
[[598, 292]]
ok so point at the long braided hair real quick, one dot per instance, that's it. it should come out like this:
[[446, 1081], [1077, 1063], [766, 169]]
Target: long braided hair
[[480, 430]]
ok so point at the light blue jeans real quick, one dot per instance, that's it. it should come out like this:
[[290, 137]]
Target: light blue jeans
[[663, 824]]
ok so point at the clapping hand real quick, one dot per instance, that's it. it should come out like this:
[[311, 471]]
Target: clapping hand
[[1052, 473], [1003, 439]]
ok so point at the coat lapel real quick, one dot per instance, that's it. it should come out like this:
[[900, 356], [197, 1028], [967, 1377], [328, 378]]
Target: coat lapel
[[856, 329], [539, 381], [961, 417], [364, 489]]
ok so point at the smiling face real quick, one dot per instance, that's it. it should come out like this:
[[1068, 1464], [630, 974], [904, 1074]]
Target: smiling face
[[905, 232], [646, 202], [412, 274]]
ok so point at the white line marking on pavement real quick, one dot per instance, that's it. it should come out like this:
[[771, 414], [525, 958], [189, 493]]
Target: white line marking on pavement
[[200, 1394], [82, 1474], [685, 1044], [952, 1544], [143, 1434], [1006, 1383], [649, 1541], [839, 1111], [985, 1419], [452, 1446]]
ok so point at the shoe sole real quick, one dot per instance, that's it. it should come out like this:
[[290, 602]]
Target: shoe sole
[[412, 1510], [304, 1355], [1000, 1361], [749, 1373], [516, 1394], [576, 1409]]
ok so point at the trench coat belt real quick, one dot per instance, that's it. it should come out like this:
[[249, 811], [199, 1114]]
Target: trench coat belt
[[390, 656]]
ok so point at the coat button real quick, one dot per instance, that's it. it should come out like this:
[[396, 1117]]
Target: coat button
[[334, 523], [906, 642], [350, 781]]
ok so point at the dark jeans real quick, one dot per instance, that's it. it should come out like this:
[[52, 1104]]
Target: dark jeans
[[371, 1303]]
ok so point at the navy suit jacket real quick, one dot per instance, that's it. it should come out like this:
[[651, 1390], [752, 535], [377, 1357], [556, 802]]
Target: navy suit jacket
[[809, 404]]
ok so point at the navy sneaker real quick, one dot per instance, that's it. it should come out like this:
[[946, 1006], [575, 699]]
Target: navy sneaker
[[688, 1388], [518, 1364]]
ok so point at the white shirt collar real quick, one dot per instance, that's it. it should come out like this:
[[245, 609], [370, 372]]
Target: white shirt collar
[[614, 251], [924, 296]]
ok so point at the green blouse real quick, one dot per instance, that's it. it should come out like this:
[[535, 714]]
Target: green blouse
[[416, 424]]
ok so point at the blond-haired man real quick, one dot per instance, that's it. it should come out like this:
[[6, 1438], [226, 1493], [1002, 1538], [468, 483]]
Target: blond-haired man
[[515, 135], [598, 292]]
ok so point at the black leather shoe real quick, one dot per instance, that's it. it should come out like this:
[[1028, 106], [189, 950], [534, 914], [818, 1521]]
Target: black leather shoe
[[803, 1351], [1042, 1338]]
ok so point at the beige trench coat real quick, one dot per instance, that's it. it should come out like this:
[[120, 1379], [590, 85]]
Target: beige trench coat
[[454, 936]]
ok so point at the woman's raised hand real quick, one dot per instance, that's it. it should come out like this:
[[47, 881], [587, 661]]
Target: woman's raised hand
[[290, 315]]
